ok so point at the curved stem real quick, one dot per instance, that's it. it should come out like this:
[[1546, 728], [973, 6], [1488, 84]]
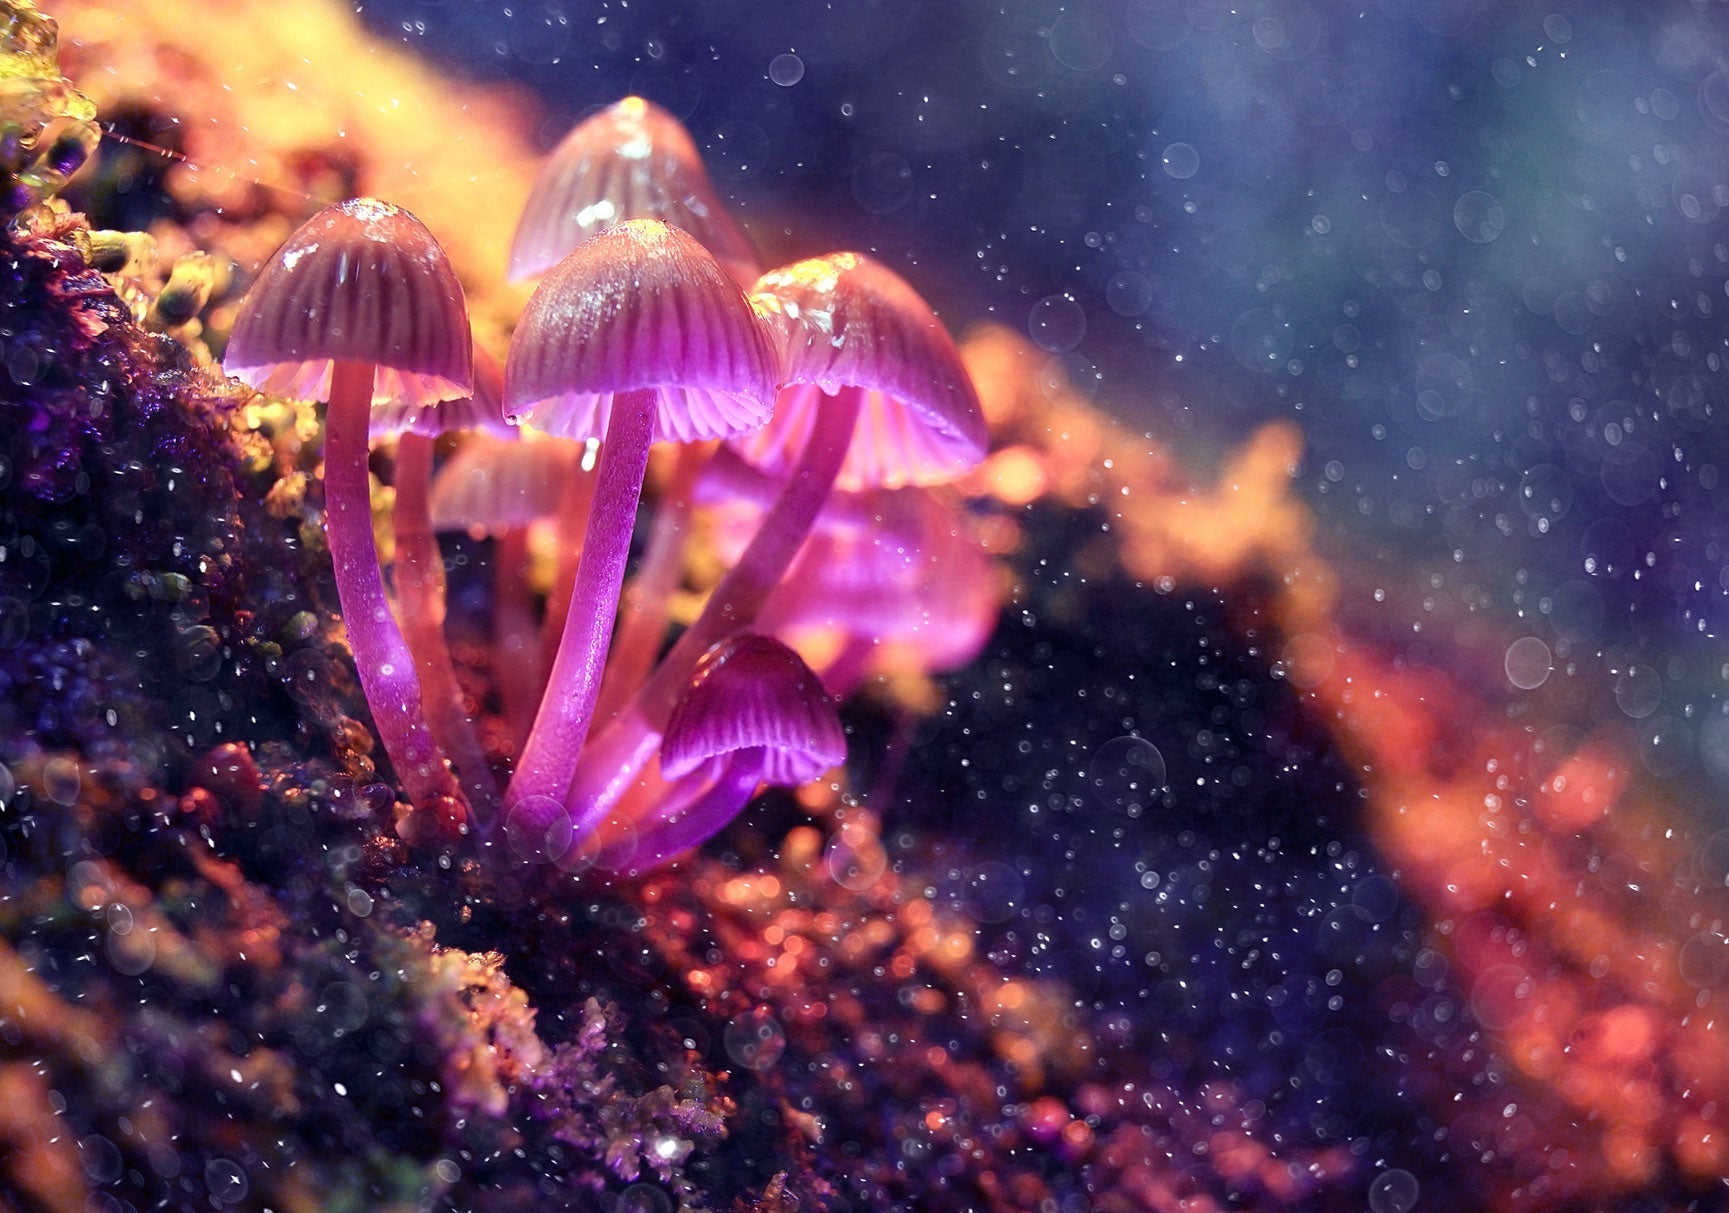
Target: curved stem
[[648, 598], [732, 607], [698, 808], [846, 673], [420, 596], [516, 657], [560, 727], [381, 655]]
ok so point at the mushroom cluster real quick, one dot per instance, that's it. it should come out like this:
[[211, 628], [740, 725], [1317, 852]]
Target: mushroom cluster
[[814, 408]]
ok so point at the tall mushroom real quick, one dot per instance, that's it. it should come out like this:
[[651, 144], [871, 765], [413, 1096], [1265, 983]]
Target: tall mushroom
[[360, 308], [636, 337], [630, 160]]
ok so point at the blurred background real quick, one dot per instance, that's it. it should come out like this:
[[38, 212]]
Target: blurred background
[[1478, 252]]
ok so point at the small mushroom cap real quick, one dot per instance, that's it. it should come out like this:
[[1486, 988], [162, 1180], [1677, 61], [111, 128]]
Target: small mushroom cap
[[752, 692], [362, 281], [491, 483], [641, 305], [631, 160], [845, 322]]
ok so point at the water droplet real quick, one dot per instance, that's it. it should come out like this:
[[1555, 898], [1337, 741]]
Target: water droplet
[[1129, 293], [1126, 774], [1638, 691], [786, 70], [537, 829], [1528, 663], [1393, 1192], [226, 1181], [1261, 340], [1479, 217], [1181, 160], [755, 1041], [1057, 323]]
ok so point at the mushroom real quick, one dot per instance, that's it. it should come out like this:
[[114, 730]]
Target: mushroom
[[631, 160], [917, 590], [419, 569], [877, 395], [752, 713], [360, 308], [637, 336]]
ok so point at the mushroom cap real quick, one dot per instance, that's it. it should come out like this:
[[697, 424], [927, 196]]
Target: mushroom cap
[[846, 322], [752, 692], [632, 160], [491, 483], [641, 305], [361, 281]]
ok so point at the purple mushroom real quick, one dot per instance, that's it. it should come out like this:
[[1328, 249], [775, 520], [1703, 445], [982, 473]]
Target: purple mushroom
[[877, 396], [419, 569], [636, 337], [631, 160], [753, 713], [361, 308]]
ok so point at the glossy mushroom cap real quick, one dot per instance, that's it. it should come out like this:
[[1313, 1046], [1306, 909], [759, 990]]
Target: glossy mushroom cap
[[641, 305], [631, 160], [754, 693], [362, 281], [845, 322]]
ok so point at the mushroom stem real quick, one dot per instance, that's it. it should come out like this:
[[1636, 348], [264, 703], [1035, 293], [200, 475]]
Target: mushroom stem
[[732, 607], [648, 598], [420, 596], [561, 726], [697, 808], [381, 656], [515, 632]]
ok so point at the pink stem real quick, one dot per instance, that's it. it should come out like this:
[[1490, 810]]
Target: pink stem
[[697, 808], [561, 726], [516, 662], [630, 737], [420, 595], [381, 655], [846, 673], [648, 599]]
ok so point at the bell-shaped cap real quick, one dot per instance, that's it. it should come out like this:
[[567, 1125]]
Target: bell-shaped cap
[[491, 483], [753, 693], [631, 160], [847, 323], [639, 306], [361, 281]]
